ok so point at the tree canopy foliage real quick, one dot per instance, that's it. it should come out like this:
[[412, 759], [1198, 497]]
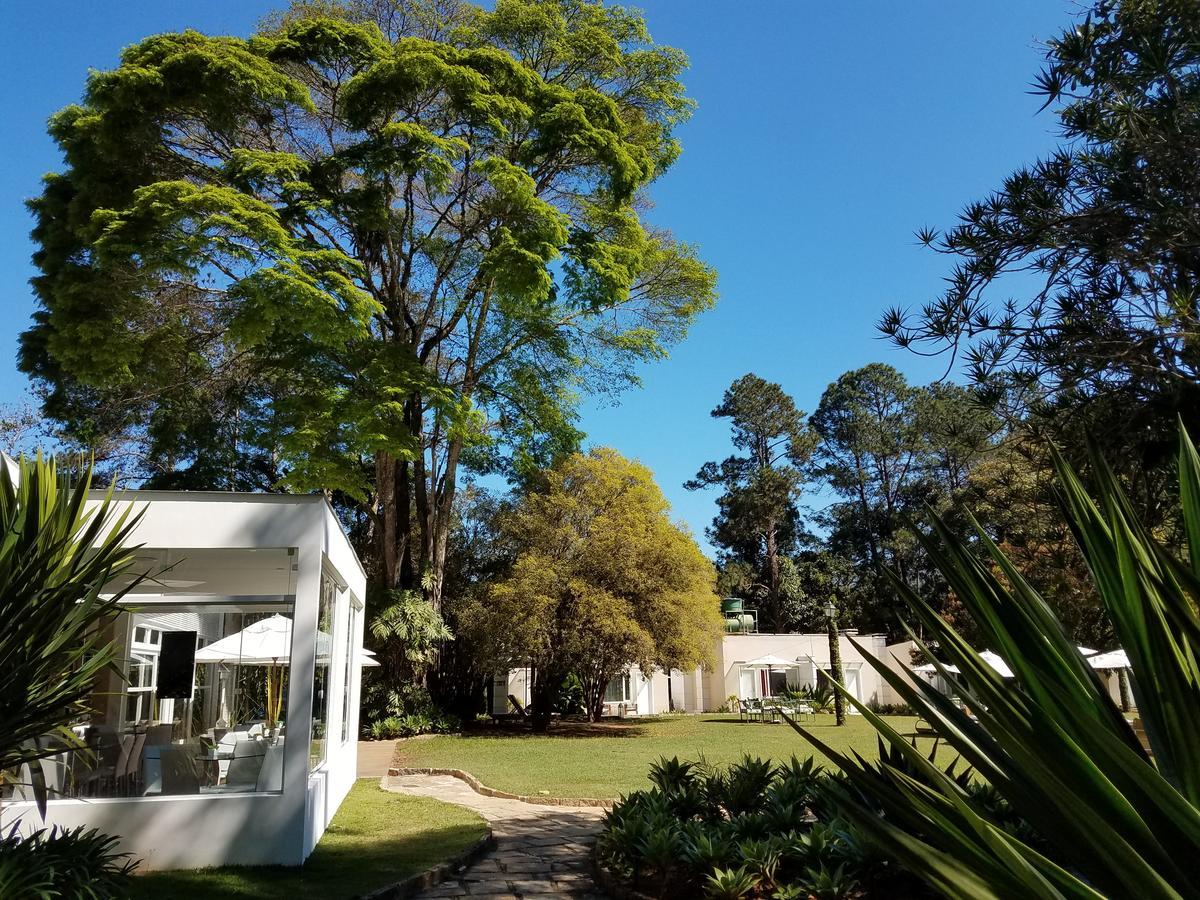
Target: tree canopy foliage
[[758, 520], [888, 450], [601, 579], [362, 248], [1098, 331]]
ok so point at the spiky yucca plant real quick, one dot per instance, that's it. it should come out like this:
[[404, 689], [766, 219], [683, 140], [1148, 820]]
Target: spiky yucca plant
[[56, 556], [1099, 815]]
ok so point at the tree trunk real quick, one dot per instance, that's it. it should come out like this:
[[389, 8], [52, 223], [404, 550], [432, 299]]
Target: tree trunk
[[595, 699], [835, 670], [541, 698], [774, 613], [1123, 685], [392, 522]]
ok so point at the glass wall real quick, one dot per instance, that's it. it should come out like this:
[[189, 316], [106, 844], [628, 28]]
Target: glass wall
[[202, 709], [320, 700], [348, 673]]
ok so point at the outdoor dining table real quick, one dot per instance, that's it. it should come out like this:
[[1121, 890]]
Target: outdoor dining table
[[210, 759]]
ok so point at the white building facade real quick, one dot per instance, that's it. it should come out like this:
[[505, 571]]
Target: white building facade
[[232, 738], [732, 675]]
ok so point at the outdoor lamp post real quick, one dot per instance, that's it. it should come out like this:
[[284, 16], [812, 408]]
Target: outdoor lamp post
[[835, 660]]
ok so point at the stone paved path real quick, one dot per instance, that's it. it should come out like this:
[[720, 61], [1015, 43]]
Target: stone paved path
[[374, 757], [541, 851]]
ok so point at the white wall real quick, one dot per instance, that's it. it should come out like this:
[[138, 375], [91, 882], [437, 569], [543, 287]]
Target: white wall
[[734, 650], [898, 658]]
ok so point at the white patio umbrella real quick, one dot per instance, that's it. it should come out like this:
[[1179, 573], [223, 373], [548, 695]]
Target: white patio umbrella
[[931, 669], [1113, 659], [262, 643], [996, 662], [992, 659], [770, 661]]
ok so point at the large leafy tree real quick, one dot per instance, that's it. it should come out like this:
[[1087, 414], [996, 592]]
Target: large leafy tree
[[1012, 495], [758, 520], [602, 579], [1076, 284], [870, 451], [888, 449], [361, 249]]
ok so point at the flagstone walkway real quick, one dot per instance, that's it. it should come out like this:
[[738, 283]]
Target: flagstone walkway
[[541, 851]]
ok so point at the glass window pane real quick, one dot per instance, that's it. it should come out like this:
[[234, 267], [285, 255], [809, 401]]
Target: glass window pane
[[348, 674], [201, 707], [320, 699]]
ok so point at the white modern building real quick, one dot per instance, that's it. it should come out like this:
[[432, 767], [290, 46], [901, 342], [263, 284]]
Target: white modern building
[[737, 671], [233, 738]]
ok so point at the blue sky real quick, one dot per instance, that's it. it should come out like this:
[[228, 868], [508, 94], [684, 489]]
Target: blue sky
[[825, 134]]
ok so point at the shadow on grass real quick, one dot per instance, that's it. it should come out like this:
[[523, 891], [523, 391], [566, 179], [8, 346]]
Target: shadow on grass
[[368, 848], [616, 728]]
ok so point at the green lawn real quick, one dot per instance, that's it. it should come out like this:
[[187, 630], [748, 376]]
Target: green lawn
[[376, 838], [609, 759]]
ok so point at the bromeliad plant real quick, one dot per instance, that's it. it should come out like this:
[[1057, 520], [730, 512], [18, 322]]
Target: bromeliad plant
[[56, 556], [1074, 806]]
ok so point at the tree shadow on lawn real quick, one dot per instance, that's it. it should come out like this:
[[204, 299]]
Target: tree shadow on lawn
[[616, 728], [368, 845], [331, 873]]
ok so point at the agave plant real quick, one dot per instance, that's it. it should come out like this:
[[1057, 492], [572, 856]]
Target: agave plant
[[763, 858], [670, 775], [1102, 815], [830, 884], [746, 783], [731, 884], [56, 556], [63, 863]]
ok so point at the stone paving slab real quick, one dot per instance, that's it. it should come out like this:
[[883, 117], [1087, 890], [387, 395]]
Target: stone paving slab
[[541, 851]]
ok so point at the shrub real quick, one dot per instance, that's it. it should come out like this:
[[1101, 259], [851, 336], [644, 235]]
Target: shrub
[[67, 864], [55, 560], [409, 711], [1071, 803], [747, 830], [571, 700], [892, 709]]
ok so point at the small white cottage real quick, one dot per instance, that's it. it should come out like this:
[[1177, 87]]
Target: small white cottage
[[233, 738]]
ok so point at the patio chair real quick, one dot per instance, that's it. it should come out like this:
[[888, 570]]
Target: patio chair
[[245, 766], [270, 776], [754, 708], [159, 735], [179, 772], [129, 774]]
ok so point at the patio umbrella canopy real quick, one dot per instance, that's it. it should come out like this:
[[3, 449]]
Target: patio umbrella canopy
[[1113, 659], [261, 643], [770, 661], [994, 660], [930, 669]]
